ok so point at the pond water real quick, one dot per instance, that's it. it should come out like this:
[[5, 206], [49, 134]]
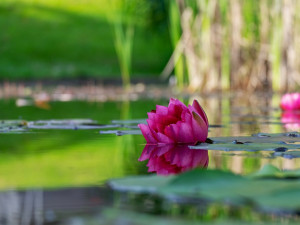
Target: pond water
[[46, 174]]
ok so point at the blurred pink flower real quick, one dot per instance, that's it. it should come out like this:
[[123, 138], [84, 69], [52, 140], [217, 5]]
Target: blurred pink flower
[[176, 123], [169, 159], [290, 101], [291, 120]]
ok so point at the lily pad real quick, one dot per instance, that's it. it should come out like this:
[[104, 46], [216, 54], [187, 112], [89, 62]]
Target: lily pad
[[72, 124], [267, 171], [279, 142], [252, 147], [136, 121], [121, 132], [270, 171], [289, 137], [140, 184], [290, 154], [215, 185], [13, 126]]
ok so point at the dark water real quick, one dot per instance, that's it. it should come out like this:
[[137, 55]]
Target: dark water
[[50, 175]]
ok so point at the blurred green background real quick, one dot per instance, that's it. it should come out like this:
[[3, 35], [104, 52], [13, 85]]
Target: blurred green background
[[75, 39], [207, 45]]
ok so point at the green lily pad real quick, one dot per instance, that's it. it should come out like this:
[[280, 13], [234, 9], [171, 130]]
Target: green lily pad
[[291, 154], [215, 185], [267, 171], [121, 132], [136, 121], [270, 171], [69, 124], [13, 126], [247, 147], [278, 142], [147, 184], [289, 137], [18, 126]]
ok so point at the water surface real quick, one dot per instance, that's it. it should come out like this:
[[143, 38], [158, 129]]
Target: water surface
[[64, 159]]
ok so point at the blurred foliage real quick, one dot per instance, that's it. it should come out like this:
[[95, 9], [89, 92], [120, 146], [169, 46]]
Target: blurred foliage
[[54, 39], [226, 44], [240, 44]]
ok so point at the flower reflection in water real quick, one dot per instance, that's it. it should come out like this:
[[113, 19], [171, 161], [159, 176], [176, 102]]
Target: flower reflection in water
[[291, 120], [166, 159]]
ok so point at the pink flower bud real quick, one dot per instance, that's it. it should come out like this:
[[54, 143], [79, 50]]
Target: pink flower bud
[[176, 123], [290, 101]]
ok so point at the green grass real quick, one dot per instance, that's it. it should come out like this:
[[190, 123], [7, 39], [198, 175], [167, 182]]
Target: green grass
[[42, 39]]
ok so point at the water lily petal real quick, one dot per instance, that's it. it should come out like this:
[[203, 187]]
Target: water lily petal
[[161, 110], [160, 127], [166, 120], [185, 134], [175, 108], [186, 115], [200, 111], [170, 132], [151, 124], [200, 128], [164, 138], [146, 131], [176, 102], [155, 122], [151, 116]]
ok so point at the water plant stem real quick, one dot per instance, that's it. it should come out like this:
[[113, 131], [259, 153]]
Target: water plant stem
[[124, 35]]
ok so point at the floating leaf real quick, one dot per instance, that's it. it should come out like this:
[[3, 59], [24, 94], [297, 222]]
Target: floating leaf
[[140, 184], [121, 132], [72, 124], [267, 171], [136, 121], [291, 154], [279, 142], [288, 134], [218, 185], [270, 171], [64, 121], [246, 146], [13, 126], [290, 137]]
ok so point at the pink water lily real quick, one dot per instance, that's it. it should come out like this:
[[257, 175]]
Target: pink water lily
[[290, 101], [176, 123], [166, 159]]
